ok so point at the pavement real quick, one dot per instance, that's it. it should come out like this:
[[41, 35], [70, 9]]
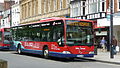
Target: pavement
[[105, 57]]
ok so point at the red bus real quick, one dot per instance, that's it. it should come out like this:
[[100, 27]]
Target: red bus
[[58, 37], [5, 36]]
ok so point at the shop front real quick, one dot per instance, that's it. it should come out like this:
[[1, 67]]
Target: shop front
[[116, 26]]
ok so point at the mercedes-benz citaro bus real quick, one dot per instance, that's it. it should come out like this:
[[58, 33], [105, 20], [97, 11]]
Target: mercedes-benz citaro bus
[[57, 37]]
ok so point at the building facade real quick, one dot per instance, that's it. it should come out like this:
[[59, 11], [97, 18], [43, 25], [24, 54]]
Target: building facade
[[8, 3], [34, 10], [5, 20], [1, 7], [15, 14], [116, 18], [1, 12], [88, 9]]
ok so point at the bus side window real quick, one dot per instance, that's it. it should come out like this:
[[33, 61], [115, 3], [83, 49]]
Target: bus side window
[[49, 36], [60, 38], [44, 38], [54, 36], [37, 37], [0, 36]]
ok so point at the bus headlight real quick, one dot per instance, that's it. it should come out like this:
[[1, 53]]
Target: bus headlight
[[66, 52], [92, 52]]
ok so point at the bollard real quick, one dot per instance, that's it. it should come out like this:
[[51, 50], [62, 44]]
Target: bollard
[[3, 63]]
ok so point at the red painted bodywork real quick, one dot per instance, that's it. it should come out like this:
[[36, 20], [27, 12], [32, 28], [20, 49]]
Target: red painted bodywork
[[54, 47], [2, 42]]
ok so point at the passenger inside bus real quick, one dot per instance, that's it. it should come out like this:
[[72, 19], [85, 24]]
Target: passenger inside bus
[[69, 35]]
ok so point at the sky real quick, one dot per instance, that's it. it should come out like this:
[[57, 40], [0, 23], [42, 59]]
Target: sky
[[1, 1]]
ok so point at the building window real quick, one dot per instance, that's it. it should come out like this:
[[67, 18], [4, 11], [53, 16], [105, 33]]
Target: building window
[[55, 4], [68, 3], [25, 11], [75, 10], [36, 7], [95, 6], [48, 5], [103, 5], [33, 7], [45, 6], [118, 5], [22, 12], [61, 4], [103, 8], [3, 22], [29, 8], [83, 8], [92, 7]]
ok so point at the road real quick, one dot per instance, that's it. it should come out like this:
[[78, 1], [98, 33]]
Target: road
[[35, 61]]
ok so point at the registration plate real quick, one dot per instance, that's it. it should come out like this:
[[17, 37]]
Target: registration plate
[[80, 56]]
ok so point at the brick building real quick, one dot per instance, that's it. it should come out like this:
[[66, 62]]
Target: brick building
[[8, 3]]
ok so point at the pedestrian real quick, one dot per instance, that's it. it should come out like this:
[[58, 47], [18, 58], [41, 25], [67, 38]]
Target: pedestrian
[[114, 43], [103, 44]]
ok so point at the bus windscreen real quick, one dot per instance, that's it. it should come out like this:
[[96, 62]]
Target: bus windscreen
[[7, 37], [79, 33]]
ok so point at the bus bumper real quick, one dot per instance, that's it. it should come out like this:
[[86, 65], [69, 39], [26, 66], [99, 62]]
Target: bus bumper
[[13, 48], [4, 47], [61, 55]]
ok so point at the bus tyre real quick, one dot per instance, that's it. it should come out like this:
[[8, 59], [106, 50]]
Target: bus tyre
[[72, 59], [19, 49], [46, 52]]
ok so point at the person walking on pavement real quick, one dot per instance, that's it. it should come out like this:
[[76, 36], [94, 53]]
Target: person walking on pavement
[[114, 44], [103, 44]]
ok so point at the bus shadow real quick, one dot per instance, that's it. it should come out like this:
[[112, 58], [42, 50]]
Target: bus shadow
[[66, 60], [72, 60], [5, 50]]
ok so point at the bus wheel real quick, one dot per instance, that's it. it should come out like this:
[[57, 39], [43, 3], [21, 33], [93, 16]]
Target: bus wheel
[[19, 49], [72, 59], [46, 52]]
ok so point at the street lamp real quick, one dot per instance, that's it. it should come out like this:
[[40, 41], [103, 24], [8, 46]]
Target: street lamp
[[111, 29], [10, 13]]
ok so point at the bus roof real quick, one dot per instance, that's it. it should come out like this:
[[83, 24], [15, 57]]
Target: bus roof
[[60, 18], [53, 19]]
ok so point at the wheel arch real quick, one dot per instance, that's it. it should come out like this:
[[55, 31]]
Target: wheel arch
[[18, 45]]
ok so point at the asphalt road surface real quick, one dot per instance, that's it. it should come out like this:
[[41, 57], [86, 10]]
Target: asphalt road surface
[[35, 61]]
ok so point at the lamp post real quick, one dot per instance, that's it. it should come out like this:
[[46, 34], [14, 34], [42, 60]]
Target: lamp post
[[111, 29], [10, 13]]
